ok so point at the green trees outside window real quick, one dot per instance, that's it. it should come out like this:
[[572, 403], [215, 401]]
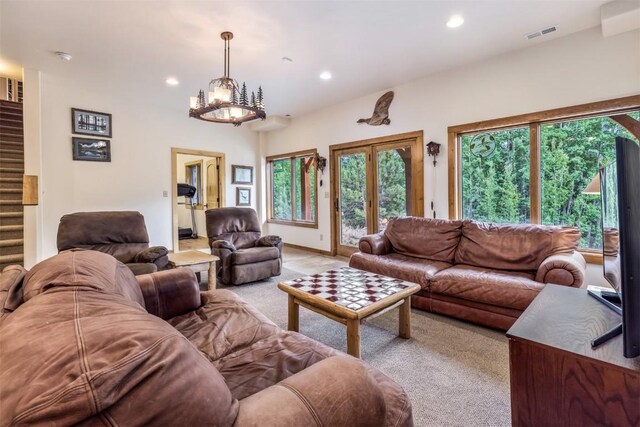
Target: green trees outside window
[[495, 171], [293, 189]]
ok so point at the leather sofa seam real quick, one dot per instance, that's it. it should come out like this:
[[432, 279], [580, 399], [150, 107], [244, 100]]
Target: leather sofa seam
[[304, 400]]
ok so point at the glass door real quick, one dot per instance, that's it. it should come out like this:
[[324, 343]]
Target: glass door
[[351, 206], [373, 182], [393, 195]]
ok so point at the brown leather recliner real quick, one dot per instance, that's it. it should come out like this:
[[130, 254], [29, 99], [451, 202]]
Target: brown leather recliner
[[234, 237], [121, 234]]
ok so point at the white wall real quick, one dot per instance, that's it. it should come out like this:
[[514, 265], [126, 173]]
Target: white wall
[[576, 69], [144, 130]]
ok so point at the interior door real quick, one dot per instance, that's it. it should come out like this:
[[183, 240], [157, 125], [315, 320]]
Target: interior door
[[213, 184], [353, 198]]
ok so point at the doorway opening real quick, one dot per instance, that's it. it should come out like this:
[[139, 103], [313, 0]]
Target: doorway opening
[[204, 173], [371, 181]]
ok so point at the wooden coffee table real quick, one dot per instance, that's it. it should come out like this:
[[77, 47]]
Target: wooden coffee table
[[350, 296], [197, 262]]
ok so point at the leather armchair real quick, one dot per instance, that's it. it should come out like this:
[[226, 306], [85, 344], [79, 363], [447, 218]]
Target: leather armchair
[[121, 234], [245, 255]]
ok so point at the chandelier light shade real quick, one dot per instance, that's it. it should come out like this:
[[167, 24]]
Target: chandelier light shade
[[226, 101]]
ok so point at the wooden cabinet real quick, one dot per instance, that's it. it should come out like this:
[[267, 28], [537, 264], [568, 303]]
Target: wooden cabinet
[[557, 379]]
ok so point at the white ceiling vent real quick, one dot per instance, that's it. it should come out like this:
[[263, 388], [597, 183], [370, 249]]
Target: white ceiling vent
[[539, 33]]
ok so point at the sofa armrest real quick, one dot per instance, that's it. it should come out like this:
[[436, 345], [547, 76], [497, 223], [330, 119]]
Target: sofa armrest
[[563, 269], [275, 241], [268, 241], [170, 293], [151, 254], [223, 250], [332, 392], [375, 244]]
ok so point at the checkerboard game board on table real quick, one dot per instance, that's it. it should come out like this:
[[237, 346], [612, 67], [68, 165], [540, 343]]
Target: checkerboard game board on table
[[349, 287]]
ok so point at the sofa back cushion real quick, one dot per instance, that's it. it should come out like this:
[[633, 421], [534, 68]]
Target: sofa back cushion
[[79, 355], [121, 234], [519, 247], [428, 238], [85, 270]]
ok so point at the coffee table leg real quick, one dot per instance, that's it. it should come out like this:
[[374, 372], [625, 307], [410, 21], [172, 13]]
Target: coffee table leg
[[294, 317], [211, 276], [405, 319], [353, 337]]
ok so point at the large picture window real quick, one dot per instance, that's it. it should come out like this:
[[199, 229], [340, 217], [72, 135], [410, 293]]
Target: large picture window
[[292, 184], [533, 168]]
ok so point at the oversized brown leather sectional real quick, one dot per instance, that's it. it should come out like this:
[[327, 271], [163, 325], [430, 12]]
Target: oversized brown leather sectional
[[83, 341], [480, 272]]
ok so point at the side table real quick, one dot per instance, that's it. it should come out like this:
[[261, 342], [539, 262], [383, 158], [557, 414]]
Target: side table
[[197, 262]]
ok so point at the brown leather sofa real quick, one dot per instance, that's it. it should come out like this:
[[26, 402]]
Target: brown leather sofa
[[480, 272], [234, 237], [121, 234], [84, 342]]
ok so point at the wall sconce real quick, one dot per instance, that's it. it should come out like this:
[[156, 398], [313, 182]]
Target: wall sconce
[[433, 149]]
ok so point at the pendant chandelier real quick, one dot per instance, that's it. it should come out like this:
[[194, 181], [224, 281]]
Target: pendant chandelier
[[227, 102]]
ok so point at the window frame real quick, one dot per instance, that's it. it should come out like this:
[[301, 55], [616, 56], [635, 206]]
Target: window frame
[[534, 121], [292, 222]]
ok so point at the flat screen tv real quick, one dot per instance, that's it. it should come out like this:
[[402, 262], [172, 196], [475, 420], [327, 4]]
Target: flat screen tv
[[620, 193]]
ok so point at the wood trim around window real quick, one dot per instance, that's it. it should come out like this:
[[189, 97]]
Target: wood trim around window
[[534, 121], [269, 161]]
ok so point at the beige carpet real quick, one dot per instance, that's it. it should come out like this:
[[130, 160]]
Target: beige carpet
[[455, 373]]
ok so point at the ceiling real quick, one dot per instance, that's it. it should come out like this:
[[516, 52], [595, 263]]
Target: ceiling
[[367, 45]]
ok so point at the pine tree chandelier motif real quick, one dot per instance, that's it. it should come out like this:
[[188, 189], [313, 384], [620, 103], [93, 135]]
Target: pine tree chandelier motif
[[227, 102]]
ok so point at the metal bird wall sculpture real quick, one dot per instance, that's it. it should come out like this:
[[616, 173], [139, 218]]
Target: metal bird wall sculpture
[[381, 111]]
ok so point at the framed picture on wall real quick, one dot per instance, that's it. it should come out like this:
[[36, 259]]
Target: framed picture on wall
[[243, 196], [93, 150], [85, 122], [242, 174]]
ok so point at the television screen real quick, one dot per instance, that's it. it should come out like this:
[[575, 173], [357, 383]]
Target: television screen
[[620, 193]]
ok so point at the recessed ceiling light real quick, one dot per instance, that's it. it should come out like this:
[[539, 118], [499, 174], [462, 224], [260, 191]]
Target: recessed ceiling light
[[172, 81], [325, 75], [455, 21], [64, 56]]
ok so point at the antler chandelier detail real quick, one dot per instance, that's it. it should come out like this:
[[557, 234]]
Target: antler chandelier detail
[[227, 101]]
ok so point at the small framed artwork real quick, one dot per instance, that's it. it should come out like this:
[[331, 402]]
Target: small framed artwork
[[243, 196], [85, 122], [242, 174], [93, 150]]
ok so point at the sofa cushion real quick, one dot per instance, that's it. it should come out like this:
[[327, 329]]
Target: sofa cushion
[[520, 247], [78, 354], [253, 255], [511, 289], [416, 270], [274, 358], [88, 270], [223, 324], [433, 239]]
